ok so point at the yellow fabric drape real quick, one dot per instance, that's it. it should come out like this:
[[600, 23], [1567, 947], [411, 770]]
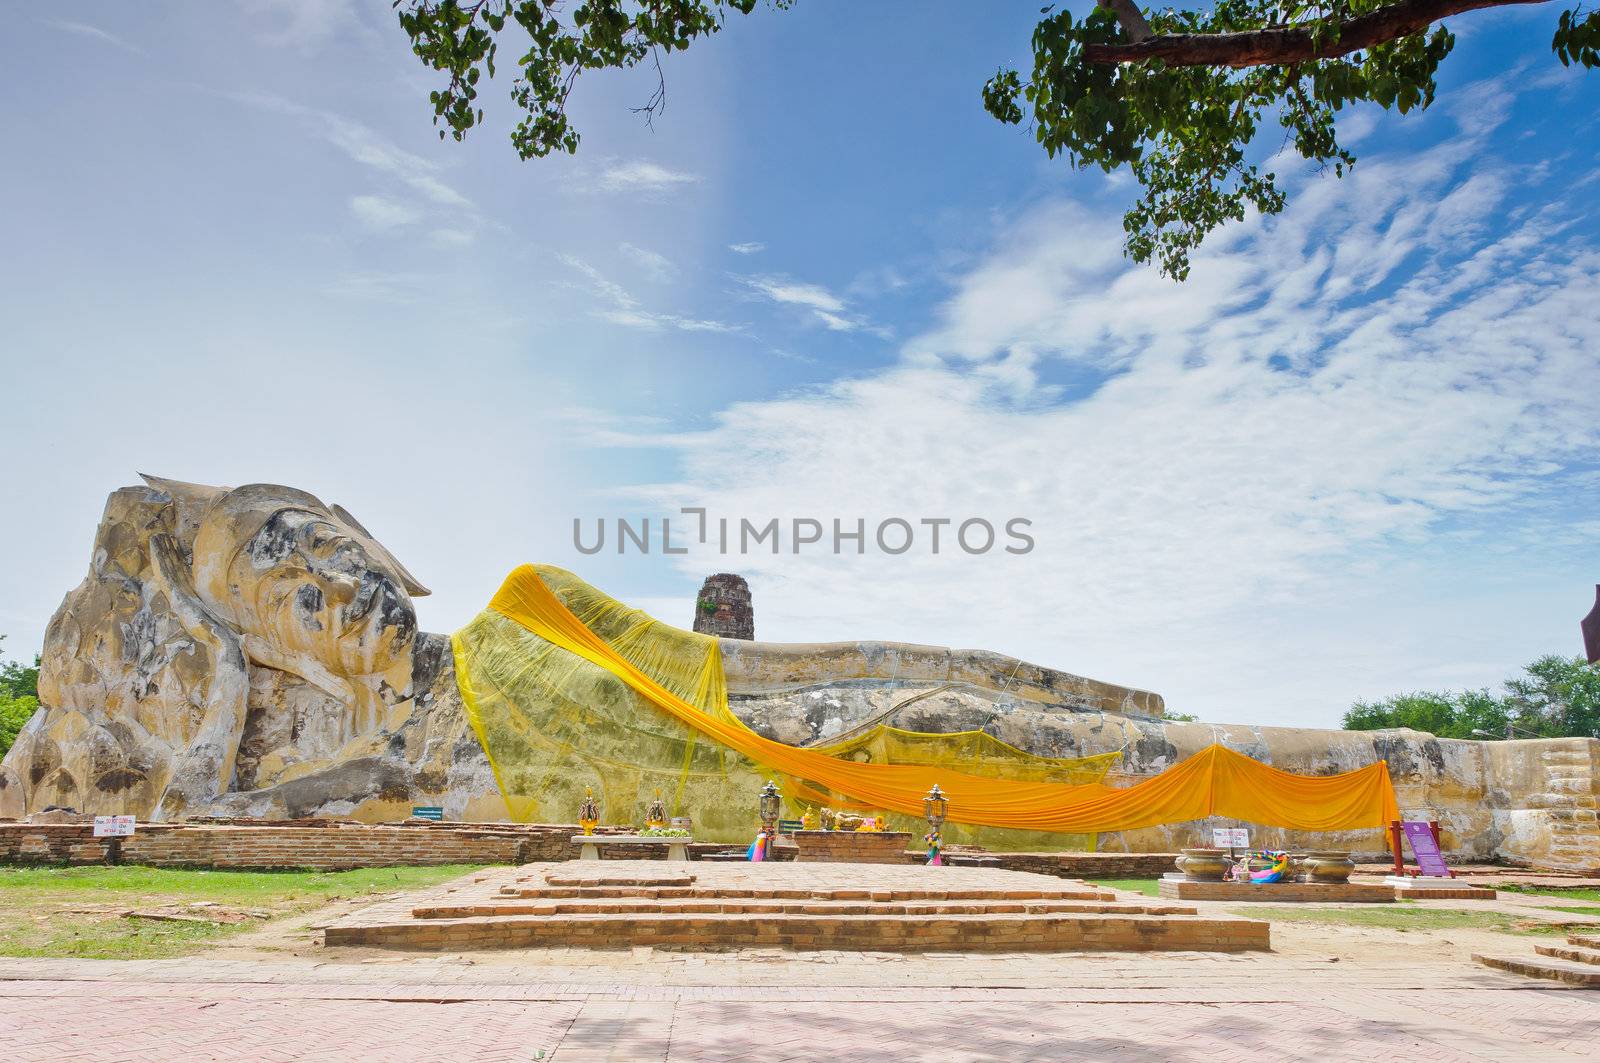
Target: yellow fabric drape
[[554, 725], [1215, 781]]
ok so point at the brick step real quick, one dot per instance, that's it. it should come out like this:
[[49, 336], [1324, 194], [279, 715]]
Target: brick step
[[593, 881], [1579, 974], [1583, 941], [762, 907], [950, 933], [1570, 952], [731, 893]]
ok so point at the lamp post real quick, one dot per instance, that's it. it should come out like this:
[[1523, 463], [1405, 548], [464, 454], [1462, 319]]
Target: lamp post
[[935, 807]]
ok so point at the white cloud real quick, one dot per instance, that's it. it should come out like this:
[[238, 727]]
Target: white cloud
[[451, 237], [782, 291], [825, 307], [750, 248], [366, 146], [305, 25], [83, 29], [370, 149], [383, 213], [623, 309], [1483, 105], [657, 266], [1240, 485], [377, 286], [641, 176]]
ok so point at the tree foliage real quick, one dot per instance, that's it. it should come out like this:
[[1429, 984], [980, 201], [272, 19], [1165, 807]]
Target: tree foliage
[[461, 40], [1185, 130], [19, 698], [1177, 96], [1555, 697]]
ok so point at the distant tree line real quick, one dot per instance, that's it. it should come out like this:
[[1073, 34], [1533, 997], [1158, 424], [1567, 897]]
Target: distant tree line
[[19, 697], [1555, 697]]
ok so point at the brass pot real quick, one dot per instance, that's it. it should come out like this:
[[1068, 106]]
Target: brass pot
[[1330, 866], [1204, 865]]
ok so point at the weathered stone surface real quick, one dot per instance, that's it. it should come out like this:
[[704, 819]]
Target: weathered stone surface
[[254, 652], [1531, 802], [723, 608], [245, 651]]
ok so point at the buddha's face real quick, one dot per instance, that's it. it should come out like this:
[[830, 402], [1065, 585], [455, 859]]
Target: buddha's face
[[309, 585], [313, 591]]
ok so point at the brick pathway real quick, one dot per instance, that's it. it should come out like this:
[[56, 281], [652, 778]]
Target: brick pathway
[[846, 1007], [1326, 993]]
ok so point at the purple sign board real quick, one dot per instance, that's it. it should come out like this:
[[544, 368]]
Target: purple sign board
[[1429, 860]]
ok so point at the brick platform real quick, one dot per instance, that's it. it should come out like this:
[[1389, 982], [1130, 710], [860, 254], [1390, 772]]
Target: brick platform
[[850, 846], [713, 907], [1437, 889], [1278, 892]]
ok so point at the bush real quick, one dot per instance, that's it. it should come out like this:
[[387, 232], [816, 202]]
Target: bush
[[14, 712], [1556, 697]]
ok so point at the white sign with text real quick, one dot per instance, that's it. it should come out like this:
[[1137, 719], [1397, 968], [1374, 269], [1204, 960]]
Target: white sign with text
[[113, 826]]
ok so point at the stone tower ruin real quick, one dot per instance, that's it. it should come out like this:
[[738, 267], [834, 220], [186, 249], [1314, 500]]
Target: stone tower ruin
[[723, 608]]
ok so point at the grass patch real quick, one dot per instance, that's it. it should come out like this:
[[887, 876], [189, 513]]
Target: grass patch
[[77, 911], [1577, 893], [1405, 916], [1148, 886], [1573, 909]]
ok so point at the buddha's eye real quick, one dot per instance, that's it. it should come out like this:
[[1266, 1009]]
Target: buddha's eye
[[322, 545], [309, 598]]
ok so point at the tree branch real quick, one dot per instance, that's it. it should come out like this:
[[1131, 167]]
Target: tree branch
[[1284, 44], [1130, 18]]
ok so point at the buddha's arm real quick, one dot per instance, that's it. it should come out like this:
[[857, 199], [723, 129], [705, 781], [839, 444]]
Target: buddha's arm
[[205, 767], [767, 667]]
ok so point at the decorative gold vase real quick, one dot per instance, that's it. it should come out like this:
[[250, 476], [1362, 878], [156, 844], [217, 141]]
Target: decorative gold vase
[[1204, 865], [588, 812], [1329, 866]]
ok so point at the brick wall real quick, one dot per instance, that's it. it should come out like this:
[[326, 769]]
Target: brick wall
[[330, 848], [1090, 865], [330, 845]]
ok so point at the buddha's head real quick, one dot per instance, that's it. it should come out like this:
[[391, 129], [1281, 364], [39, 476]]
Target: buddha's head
[[305, 582]]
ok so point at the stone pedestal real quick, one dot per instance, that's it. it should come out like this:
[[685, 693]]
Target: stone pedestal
[[851, 846], [677, 848], [1422, 888]]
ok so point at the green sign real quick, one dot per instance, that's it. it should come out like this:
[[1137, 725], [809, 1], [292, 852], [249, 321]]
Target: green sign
[[432, 812], [790, 824]]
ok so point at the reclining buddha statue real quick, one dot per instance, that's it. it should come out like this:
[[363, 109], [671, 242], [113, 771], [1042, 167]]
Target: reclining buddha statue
[[254, 652]]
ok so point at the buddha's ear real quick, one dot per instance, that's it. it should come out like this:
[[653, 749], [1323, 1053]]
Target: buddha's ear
[[377, 549]]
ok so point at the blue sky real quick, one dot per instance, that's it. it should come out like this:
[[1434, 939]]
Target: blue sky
[[1356, 453]]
